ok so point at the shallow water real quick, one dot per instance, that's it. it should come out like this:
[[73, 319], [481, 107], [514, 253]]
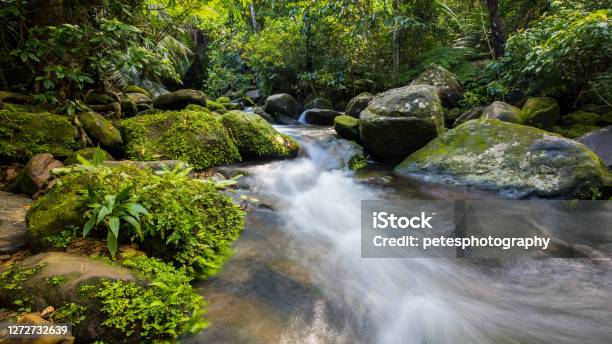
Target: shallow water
[[297, 275]]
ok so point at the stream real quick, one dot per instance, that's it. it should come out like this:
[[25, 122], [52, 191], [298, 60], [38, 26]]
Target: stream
[[297, 275]]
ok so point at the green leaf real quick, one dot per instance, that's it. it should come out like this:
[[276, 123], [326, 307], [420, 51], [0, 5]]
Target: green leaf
[[132, 221], [111, 241], [135, 208], [102, 214], [98, 156], [88, 226], [123, 194], [113, 224]]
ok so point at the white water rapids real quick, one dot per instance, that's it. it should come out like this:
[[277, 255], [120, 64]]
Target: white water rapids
[[412, 301]]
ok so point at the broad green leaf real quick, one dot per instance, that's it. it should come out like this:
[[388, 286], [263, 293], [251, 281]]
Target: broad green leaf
[[113, 224], [111, 241], [88, 226], [102, 214]]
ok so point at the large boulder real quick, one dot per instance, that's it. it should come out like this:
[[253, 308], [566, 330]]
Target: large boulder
[[178, 100], [256, 138], [473, 113], [24, 134], [319, 103], [347, 127], [450, 89], [401, 121], [195, 137], [358, 104], [12, 227], [283, 104], [36, 174], [541, 112], [319, 116], [515, 160], [503, 112], [600, 142], [101, 131]]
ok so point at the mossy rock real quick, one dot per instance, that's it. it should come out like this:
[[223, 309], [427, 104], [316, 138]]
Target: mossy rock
[[503, 112], [578, 130], [23, 135], [450, 89], [319, 103], [215, 106], [283, 104], [347, 127], [515, 160], [178, 100], [542, 112], [88, 154], [223, 100], [15, 98], [582, 118], [607, 118], [358, 104], [127, 302], [99, 98], [256, 138], [137, 89], [195, 137], [101, 131]]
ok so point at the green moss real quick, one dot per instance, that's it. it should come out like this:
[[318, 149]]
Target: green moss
[[256, 138], [164, 308], [23, 135], [12, 287], [199, 108], [137, 89], [347, 127], [582, 118], [578, 130], [223, 100], [86, 153], [215, 106], [197, 138], [70, 313], [57, 280]]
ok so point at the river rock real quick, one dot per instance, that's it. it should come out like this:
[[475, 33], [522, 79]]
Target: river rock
[[256, 138], [12, 222], [178, 100], [101, 131], [542, 112], [24, 134], [320, 116], [195, 137], [255, 95], [401, 121], [283, 104], [450, 89], [319, 103], [261, 112], [503, 112], [473, 113], [88, 154], [358, 104], [347, 127], [36, 174], [600, 142], [515, 160]]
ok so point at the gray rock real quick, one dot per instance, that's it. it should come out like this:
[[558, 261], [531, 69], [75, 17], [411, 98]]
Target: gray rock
[[12, 222], [283, 104], [450, 89], [319, 103], [473, 113], [178, 100], [503, 112], [600, 142], [320, 116], [358, 104], [400, 121]]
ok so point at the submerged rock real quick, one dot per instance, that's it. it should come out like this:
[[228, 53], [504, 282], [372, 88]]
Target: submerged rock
[[515, 160], [358, 104], [256, 138], [600, 142], [347, 127], [450, 89], [401, 121], [178, 100], [320, 116], [542, 112], [101, 131], [283, 104], [197, 138], [24, 134], [503, 112]]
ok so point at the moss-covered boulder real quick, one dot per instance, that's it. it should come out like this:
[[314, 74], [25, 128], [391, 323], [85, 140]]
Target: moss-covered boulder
[[197, 138], [319, 116], [578, 130], [256, 138], [223, 100], [215, 106], [101, 131], [283, 104], [401, 121], [88, 154], [347, 127], [358, 104], [600, 142], [450, 89], [319, 103], [100, 98], [541, 112], [178, 100], [515, 160], [503, 112], [137, 300], [582, 118], [24, 134]]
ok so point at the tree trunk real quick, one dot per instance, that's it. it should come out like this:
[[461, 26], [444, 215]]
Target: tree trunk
[[308, 35], [253, 20], [396, 40], [497, 31]]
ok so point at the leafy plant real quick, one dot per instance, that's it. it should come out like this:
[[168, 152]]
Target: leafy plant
[[112, 212]]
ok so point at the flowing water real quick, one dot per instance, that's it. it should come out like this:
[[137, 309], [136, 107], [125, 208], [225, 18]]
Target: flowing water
[[297, 275]]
